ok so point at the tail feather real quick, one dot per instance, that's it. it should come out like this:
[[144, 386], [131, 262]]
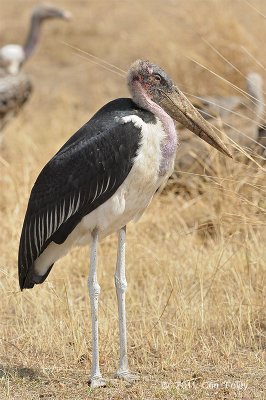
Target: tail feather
[[32, 279]]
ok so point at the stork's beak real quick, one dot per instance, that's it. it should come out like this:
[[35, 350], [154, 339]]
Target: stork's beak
[[179, 108]]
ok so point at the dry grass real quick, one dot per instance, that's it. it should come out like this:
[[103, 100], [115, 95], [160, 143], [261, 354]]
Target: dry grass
[[195, 262]]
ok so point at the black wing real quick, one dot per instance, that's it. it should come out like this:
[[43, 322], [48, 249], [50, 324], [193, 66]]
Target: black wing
[[84, 174]]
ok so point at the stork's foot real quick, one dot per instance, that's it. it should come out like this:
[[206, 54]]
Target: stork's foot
[[127, 376], [96, 382]]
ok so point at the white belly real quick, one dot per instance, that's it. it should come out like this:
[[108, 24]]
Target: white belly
[[128, 202]]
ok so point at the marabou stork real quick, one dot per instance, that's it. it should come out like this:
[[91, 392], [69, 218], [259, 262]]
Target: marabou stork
[[102, 178], [13, 56]]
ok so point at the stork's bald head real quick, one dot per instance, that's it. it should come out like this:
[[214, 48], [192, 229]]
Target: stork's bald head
[[149, 86], [151, 78]]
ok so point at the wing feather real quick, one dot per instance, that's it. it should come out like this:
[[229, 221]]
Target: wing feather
[[84, 174], [14, 92]]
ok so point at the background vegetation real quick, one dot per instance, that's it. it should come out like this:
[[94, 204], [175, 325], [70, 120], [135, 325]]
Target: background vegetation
[[195, 263]]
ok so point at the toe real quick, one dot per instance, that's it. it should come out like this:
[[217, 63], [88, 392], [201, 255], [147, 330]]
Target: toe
[[97, 382], [127, 376]]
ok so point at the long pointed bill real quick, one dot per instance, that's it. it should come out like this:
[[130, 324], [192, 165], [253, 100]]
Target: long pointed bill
[[179, 108]]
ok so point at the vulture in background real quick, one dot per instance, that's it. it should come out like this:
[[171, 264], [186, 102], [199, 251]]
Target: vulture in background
[[15, 86], [239, 117]]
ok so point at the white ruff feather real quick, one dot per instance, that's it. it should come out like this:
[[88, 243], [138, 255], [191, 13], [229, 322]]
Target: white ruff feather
[[11, 57]]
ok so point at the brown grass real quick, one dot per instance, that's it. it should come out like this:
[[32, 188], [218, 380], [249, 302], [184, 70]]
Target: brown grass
[[195, 262]]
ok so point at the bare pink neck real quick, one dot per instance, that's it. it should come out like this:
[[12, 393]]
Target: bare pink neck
[[169, 144]]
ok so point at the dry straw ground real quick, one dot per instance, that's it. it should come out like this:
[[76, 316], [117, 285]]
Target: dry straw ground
[[195, 263]]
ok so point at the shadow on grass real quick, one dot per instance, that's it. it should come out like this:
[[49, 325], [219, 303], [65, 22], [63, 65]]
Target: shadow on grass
[[19, 372]]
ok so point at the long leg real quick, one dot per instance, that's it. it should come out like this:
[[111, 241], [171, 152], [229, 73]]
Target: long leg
[[121, 287], [96, 379]]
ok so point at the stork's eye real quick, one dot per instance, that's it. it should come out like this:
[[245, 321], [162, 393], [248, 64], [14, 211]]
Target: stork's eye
[[157, 77]]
